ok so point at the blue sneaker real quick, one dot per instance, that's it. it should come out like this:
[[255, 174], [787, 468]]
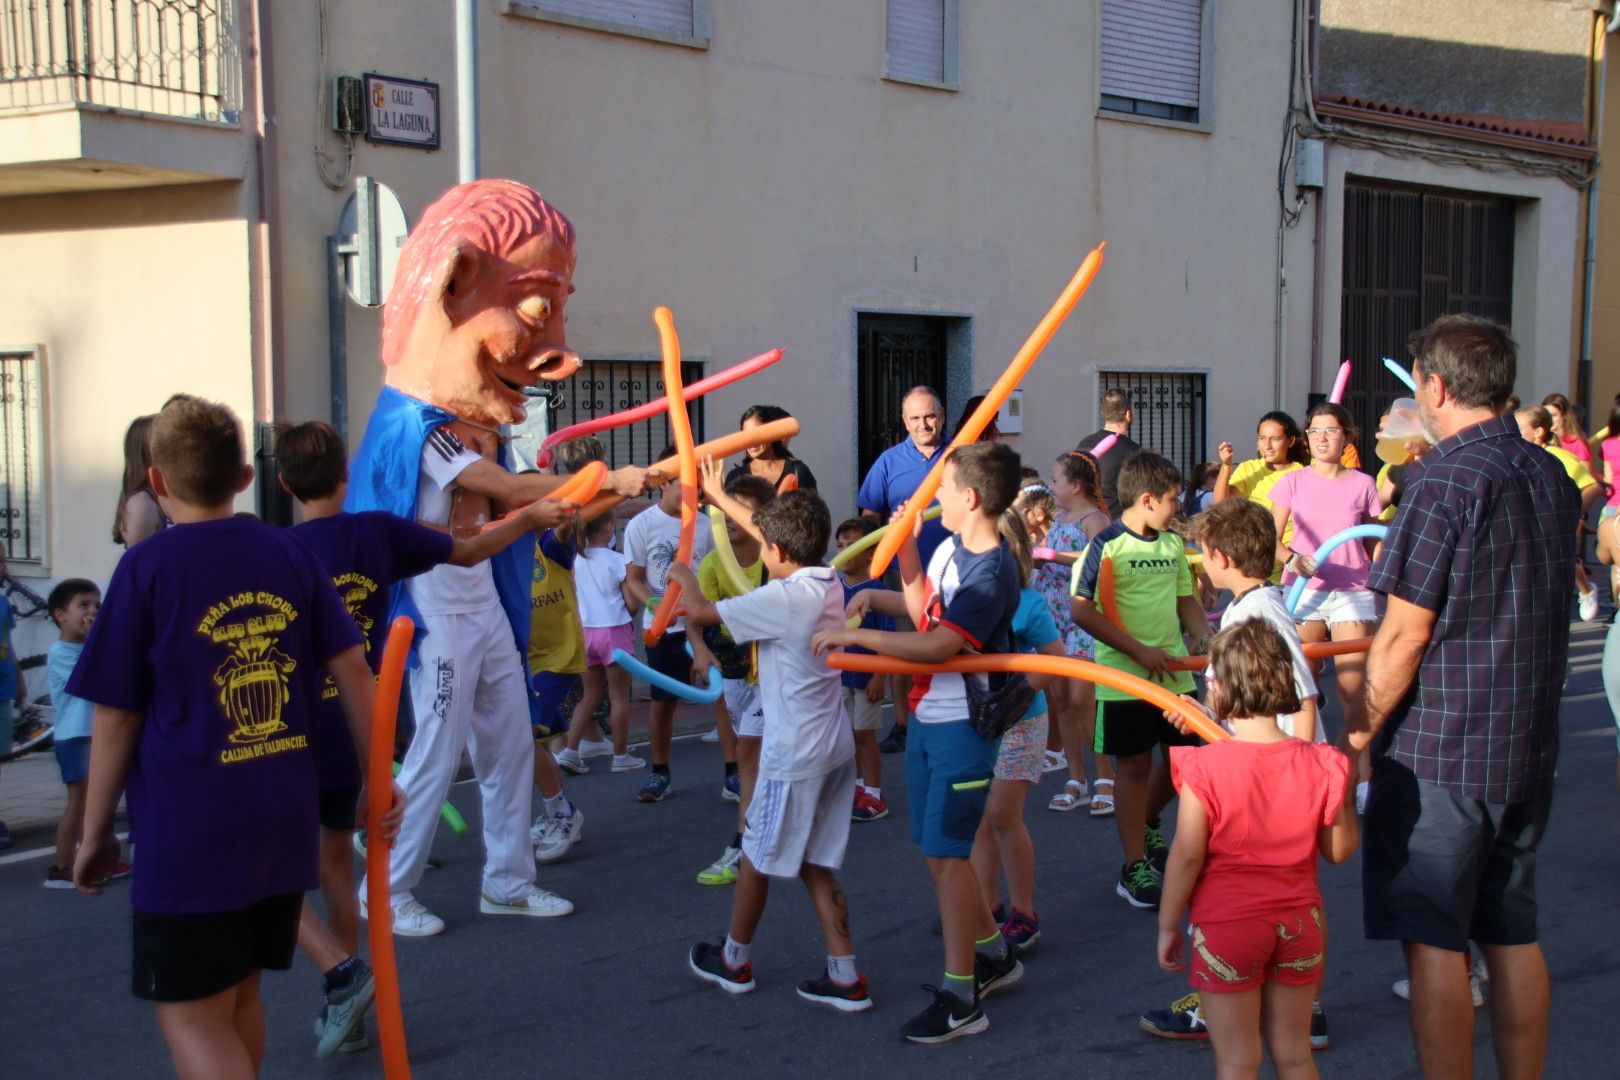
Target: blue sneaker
[[731, 790], [656, 787]]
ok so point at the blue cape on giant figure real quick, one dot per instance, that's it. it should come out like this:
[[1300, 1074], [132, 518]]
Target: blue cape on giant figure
[[383, 475]]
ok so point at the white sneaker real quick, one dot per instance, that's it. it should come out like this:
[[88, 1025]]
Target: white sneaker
[[1403, 990], [411, 919], [554, 834], [712, 735], [538, 904], [1589, 604], [1361, 797], [569, 761], [628, 763], [589, 748]]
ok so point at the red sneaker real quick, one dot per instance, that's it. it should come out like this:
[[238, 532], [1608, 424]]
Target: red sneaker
[[122, 869], [868, 807]]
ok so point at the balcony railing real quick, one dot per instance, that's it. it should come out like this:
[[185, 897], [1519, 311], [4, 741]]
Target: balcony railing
[[169, 57]]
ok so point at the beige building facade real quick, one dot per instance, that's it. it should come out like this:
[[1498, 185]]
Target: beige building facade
[[778, 174]]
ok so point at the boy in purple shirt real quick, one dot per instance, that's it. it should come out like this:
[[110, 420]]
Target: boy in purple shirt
[[218, 756], [365, 554]]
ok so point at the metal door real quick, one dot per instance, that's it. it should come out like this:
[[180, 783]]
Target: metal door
[[895, 353]]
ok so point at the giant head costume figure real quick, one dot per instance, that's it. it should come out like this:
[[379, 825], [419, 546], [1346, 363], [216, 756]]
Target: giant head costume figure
[[475, 316], [476, 313]]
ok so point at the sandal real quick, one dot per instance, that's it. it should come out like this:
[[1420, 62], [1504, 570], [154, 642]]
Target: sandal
[[1102, 803], [1055, 761], [1072, 797]]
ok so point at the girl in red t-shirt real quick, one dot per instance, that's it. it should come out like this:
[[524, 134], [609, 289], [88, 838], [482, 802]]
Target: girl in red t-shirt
[[1255, 811]]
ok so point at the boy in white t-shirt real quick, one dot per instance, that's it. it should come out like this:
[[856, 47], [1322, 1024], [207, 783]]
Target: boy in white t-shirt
[[798, 821], [650, 542]]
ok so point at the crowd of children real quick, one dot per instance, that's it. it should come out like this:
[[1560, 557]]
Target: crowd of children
[[278, 633]]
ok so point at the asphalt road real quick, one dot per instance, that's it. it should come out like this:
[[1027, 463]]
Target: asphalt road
[[606, 992]]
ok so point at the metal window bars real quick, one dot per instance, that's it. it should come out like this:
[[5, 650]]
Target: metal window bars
[[168, 57], [22, 457]]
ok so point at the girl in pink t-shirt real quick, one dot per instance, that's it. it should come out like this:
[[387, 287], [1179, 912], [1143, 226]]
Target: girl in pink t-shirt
[[1255, 811], [1318, 502]]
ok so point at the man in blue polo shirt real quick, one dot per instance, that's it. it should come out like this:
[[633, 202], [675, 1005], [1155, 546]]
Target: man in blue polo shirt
[[1461, 704], [894, 476]]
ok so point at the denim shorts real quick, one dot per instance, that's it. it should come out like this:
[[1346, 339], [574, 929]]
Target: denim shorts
[[73, 759], [549, 689], [949, 767]]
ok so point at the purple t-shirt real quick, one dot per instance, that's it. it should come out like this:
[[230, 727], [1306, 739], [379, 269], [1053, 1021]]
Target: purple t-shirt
[[365, 554], [216, 633], [1321, 507]]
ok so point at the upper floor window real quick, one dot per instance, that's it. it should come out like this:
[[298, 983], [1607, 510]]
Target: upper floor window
[[682, 22], [920, 42], [1152, 59]]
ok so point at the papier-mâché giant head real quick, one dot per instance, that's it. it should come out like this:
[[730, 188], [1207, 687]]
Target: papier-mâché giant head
[[476, 311]]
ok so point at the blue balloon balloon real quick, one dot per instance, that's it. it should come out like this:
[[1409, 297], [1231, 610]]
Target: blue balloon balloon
[[683, 690], [1343, 536], [1400, 373]]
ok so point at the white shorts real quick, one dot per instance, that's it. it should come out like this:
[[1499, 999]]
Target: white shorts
[[1336, 606], [742, 702], [793, 822], [864, 715]]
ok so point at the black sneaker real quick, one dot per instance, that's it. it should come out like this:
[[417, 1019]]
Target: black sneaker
[[992, 974], [947, 1018], [1140, 885], [708, 962], [824, 991], [1184, 1019], [1319, 1032], [894, 742], [1154, 846]]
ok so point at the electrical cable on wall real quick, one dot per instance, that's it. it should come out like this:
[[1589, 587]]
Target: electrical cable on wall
[[323, 160]]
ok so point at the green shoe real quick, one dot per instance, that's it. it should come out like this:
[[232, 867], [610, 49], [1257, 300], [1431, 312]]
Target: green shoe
[[723, 871], [1154, 846], [345, 1011]]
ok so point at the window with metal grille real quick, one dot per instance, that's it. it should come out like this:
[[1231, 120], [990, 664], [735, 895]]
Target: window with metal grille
[[680, 22], [1150, 53], [22, 456], [920, 42], [1171, 410], [601, 388]]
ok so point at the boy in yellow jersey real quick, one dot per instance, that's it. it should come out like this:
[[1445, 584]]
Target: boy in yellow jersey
[[1154, 601], [1536, 425], [738, 715], [556, 661]]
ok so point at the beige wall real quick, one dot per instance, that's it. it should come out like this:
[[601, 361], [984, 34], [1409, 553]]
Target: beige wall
[[133, 295], [1606, 281]]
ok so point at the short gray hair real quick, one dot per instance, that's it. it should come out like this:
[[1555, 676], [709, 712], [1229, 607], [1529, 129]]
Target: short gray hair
[[1476, 358]]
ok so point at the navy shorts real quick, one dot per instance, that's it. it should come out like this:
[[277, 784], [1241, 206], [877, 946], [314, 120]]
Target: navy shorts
[[73, 759], [550, 690], [949, 767], [1439, 868], [191, 957], [668, 657]]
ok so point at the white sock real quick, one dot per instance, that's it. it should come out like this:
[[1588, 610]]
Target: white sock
[[558, 805], [875, 792], [859, 783], [736, 953], [841, 970]]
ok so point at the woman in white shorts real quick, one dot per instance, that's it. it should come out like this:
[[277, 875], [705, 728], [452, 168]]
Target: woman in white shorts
[[1002, 843], [1319, 502]]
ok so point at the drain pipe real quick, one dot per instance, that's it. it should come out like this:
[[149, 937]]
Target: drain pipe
[[265, 259], [467, 164]]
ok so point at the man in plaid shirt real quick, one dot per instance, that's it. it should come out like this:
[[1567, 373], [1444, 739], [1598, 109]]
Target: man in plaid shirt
[[1461, 706]]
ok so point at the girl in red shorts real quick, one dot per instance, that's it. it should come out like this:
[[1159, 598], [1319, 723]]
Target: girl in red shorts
[[1255, 811]]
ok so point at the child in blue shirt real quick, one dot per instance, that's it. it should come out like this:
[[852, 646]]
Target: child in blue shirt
[[73, 605]]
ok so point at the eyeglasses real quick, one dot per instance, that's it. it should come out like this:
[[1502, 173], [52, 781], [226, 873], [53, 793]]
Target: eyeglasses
[[1314, 431]]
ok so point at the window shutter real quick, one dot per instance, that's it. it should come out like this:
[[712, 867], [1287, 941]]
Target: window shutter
[[1150, 50], [915, 39], [672, 16]]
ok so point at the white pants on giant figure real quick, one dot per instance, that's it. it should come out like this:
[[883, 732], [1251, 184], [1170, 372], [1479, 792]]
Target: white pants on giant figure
[[469, 691]]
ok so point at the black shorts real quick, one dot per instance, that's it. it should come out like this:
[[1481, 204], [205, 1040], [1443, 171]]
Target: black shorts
[[191, 957], [1439, 868], [668, 657], [338, 808], [1128, 728]]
